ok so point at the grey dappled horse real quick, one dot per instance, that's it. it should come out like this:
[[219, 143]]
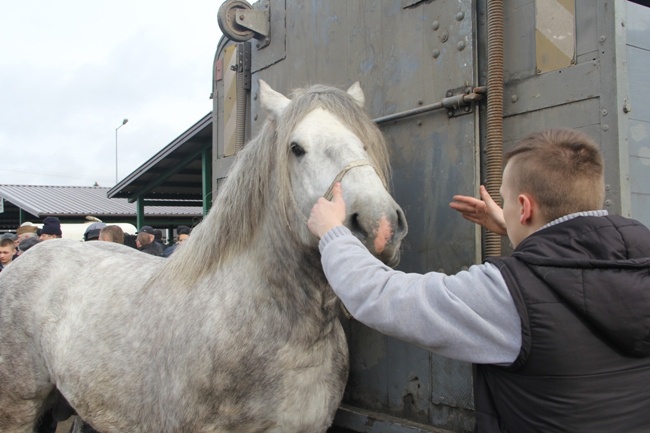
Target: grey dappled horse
[[238, 331]]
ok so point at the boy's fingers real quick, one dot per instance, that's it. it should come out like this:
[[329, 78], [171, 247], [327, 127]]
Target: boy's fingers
[[485, 195], [337, 193]]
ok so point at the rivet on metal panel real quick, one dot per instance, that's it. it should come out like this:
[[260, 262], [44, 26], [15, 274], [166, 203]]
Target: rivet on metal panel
[[435, 25], [608, 203], [255, 117], [604, 112], [436, 53], [607, 187], [420, 102], [626, 106], [514, 98], [605, 127], [602, 39], [461, 45], [444, 36], [460, 16]]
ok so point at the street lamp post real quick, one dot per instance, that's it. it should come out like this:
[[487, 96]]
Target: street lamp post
[[123, 123]]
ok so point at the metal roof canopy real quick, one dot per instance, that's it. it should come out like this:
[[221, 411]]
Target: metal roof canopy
[[74, 203], [180, 171]]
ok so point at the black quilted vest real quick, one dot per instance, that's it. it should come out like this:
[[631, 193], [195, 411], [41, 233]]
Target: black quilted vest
[[582, 290]]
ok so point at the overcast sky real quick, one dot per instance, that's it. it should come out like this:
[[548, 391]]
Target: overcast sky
[[72, 70]]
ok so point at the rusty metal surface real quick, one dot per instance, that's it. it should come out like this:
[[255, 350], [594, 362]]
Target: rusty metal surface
[[409, 54], [406, 55]]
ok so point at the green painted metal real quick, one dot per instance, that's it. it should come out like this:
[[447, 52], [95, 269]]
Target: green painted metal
[[139, 213], [166, 174]]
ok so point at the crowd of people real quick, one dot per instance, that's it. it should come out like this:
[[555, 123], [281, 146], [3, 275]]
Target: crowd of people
[[147, 239]]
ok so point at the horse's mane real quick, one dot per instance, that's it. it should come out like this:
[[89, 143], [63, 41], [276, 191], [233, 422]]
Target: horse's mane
[[258, 186]]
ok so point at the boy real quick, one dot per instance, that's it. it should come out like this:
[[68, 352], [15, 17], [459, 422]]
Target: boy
[[7, 252], [559, 331]]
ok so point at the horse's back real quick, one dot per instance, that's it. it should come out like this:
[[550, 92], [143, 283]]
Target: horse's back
[[47, 297]]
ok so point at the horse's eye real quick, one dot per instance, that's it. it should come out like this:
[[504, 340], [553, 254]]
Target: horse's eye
[[296, 149]]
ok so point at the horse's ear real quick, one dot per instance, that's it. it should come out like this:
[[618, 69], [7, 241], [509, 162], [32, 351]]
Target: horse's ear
[[272, 101], [356, 92]]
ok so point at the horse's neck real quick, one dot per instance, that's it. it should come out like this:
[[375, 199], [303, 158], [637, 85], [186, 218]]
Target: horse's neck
[[295, 264], [294, 271]]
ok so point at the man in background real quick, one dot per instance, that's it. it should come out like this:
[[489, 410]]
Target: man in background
[[145, 242], [112, 233], [51, 229]]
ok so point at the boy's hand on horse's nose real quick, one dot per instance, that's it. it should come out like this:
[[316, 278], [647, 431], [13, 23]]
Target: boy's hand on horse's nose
[[325, 215]]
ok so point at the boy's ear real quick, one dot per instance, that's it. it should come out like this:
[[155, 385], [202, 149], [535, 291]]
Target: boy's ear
[[527, 208]]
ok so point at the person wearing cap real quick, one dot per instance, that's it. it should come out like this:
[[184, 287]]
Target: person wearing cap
[[145, 242], [182, 233], [157, 237], [26, 230], [26, 244], [51, 229], [92, 231]]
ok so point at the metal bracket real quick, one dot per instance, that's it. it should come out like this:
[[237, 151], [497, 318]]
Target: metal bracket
[[459, 104], [255, 20], [240, 22], [244, 63]]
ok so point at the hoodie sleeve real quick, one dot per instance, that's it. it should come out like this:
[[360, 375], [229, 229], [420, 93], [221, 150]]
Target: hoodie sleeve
[[469, 316]]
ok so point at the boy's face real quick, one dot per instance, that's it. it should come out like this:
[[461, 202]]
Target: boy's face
[[6, 254], [512, 208]]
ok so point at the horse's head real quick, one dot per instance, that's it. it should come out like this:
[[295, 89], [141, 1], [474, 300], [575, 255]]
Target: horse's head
[[326, 136]]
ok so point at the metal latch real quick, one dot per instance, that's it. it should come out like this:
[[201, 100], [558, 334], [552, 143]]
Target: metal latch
[[455, 104]]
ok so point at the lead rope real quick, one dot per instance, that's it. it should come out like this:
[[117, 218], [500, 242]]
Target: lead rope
[[339, 177]]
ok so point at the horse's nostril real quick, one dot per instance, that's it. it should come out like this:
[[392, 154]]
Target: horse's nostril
[[355, 225], [401, 221]]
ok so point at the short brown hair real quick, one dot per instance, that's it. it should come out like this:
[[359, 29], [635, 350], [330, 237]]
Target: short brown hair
[[562, 169], [7, 243], [112, 233], [144, 238]]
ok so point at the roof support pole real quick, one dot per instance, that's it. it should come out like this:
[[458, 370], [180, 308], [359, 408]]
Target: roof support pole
[[139, 212]]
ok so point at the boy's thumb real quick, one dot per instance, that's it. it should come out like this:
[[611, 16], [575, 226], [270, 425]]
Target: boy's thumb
[[485, 195], [337, 193]]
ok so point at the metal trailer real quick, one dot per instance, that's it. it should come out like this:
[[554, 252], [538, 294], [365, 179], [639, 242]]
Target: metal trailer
[[452, 84]]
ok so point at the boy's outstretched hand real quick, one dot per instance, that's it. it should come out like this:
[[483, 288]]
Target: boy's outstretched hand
[[325, 215], [484, 212]]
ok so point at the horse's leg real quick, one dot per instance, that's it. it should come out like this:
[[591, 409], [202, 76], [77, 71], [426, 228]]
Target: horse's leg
[[18, 416], [46, 423], [25, 408], [80, 426]]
